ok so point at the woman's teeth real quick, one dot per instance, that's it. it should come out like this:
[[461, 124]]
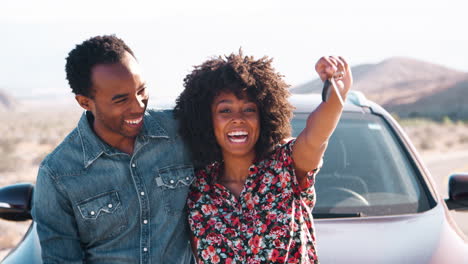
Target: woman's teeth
[[238, 136]]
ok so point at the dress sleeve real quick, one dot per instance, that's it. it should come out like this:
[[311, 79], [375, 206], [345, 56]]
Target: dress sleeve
[[197, 189], [285, 156]]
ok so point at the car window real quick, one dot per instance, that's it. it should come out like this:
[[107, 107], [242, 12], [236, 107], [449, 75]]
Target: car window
[[365, 171]]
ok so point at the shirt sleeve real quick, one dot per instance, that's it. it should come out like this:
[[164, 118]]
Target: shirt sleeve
[[56, 226]]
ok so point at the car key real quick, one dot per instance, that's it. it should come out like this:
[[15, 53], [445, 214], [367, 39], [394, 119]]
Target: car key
[[331, 82], [326, 90]]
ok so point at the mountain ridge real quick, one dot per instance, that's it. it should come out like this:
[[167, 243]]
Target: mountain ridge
[[408, 87]]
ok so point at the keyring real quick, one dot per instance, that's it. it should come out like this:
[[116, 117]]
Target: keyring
[[338, 75]]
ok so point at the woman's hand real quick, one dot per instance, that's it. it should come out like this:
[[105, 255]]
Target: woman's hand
[[338, 69]]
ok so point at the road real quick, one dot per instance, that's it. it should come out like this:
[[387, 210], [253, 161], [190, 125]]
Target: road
[[443, 165]]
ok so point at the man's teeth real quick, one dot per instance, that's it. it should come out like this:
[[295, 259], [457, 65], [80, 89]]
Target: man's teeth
[[134, 121]]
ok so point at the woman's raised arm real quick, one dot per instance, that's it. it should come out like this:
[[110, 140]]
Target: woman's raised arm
[[312, 141]]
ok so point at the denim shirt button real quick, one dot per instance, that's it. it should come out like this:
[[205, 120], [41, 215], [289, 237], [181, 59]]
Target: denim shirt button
[[109, 205], [133, 165], [145, 249], [93, 213], [142, 193], [171, 181], [145, 221]]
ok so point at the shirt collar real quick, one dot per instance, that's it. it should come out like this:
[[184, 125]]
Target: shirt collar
[[94, 147]]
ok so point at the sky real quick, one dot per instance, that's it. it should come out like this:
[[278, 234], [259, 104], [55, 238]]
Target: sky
[[170, 37]]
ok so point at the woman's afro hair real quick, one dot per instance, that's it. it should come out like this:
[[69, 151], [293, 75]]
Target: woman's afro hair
[[243, 76]]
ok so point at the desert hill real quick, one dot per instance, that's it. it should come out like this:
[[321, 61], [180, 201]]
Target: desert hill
[[6, 101], [409, 87]]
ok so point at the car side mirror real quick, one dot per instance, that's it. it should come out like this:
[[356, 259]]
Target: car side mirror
[[15, 202], [458, 192]]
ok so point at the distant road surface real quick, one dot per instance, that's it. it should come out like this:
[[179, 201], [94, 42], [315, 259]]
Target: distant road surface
[[441, 166]]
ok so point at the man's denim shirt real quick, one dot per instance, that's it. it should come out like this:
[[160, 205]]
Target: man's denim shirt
[[96, 204]]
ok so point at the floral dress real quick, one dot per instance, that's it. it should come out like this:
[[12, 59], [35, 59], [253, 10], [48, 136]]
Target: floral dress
[[271, 222]]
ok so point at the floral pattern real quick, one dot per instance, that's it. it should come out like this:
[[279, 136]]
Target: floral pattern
[[271, 222]]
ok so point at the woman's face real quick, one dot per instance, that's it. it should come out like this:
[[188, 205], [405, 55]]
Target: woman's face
[[236, 124]]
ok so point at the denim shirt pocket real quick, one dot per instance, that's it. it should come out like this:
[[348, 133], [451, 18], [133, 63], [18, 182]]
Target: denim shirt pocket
[[102, 215], [175, 182]]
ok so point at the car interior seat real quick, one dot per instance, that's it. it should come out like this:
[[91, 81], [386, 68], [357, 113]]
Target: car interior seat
[[335, 177]]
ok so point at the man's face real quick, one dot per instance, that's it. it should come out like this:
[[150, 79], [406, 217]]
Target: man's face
[[120, 100]]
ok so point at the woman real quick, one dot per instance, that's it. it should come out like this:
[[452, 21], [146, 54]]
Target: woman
[[252, 199]]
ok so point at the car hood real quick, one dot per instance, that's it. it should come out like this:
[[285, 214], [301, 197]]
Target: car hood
[[426, 237]]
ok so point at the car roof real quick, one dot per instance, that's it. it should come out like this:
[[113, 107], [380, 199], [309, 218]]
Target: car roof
[[355, 102], [306, 103]]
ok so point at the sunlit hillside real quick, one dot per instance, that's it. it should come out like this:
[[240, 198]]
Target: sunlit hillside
[[409, 88]]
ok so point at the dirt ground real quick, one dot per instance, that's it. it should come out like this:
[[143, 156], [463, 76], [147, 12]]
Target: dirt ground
[[28, 135]]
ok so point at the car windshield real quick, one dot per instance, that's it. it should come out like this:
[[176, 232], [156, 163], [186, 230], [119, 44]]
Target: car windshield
[[365, 171]]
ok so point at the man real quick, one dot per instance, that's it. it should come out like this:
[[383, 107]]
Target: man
[[114, 190]]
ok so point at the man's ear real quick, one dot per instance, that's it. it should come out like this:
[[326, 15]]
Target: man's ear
[[84, 101]]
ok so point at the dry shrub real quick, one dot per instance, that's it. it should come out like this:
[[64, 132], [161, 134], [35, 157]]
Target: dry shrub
[[463, 139], [429, 135], [7, 149]]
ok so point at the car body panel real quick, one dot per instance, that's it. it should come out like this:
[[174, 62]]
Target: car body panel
[[414, 238], [27, 251]]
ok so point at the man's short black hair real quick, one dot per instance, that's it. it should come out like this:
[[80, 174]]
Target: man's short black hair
[[105, 49]]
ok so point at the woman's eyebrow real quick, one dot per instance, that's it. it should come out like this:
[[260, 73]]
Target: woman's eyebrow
[[227, 101]]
